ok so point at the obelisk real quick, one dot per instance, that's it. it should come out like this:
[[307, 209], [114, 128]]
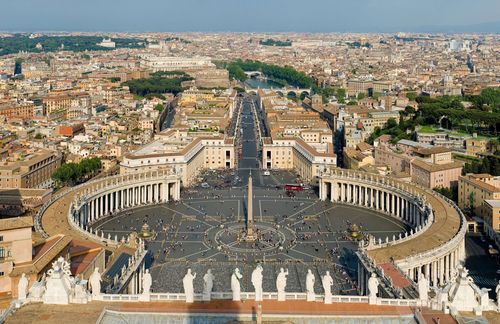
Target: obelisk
[[249, 234]]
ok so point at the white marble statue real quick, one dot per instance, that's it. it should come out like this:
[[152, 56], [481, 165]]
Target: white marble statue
[[373, 287], [80, 294], [95, 282], [147, 281], [327, 282], [423, 288], [38, 289], [281, 284], [235, 284], [484, 299], [187, 282], [311, 296], [497, 291], [257, 282], [208, 285], [22, 286]]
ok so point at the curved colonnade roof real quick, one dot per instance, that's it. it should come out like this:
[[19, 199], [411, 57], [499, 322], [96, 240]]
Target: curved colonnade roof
[[446, 225]]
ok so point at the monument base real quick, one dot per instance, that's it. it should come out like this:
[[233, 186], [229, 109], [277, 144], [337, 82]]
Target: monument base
[[250, 238]]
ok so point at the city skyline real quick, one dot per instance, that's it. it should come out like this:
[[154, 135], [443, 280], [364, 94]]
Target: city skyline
[[320, 16]]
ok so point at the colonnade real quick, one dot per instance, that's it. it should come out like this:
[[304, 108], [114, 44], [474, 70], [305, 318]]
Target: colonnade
[[399, 200], [379, 198], [115, 198], [439, 269]]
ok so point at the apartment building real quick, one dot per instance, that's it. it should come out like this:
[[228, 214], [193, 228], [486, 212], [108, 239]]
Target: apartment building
[[169, 63], [72, 105], [23, 110], [29, 169], [475, 189], [15, 247]]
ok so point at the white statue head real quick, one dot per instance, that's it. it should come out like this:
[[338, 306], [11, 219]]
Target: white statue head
[[327, 273], [309, 271], [189, 271], [209, 271], [282, 270], [147, 270], [374, 275]]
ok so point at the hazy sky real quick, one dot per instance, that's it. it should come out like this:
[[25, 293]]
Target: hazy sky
[[246, 15]]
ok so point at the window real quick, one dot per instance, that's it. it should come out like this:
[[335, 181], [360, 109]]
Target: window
[[1, 238], [2, 253]]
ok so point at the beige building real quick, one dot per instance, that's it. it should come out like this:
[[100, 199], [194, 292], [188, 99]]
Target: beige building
[[396, 162], [299, 139], [15, 247], [491, 209], [17, 110], [188, 153], [29, 169], [474, 189], [354, 159], [432, 175], [71, 105]]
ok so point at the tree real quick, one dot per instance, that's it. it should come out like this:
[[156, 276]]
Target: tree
[[159, 107], [447, 192], [361, 95], [341, 95], [411, 95]]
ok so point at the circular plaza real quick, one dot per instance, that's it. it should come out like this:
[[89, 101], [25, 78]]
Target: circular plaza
[[205, 229]]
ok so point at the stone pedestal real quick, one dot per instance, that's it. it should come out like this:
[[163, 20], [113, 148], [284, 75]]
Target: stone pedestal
[[57, 292], [206, 296], [328, 299], [281, 296], [372, 300], [311, 297], [145, 297]]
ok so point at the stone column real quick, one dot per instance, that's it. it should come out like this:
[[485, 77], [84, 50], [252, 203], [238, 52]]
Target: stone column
[[101, 207], [106, 203], [112, 202], [441, 270], [91, 211], [372, 198]]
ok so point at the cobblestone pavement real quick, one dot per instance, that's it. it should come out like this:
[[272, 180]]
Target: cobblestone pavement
[[193, 233]]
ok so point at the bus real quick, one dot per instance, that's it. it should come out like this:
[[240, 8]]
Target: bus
[[293, 187]]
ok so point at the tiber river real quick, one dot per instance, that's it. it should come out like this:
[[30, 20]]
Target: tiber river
[[262, 84]]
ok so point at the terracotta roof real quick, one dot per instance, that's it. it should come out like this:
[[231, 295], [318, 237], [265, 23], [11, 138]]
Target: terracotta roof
[[431, 167], [15, 222], [432, 150], [480, 184]]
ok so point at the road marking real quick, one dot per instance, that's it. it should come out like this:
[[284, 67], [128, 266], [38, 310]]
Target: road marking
[[239, 204]]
